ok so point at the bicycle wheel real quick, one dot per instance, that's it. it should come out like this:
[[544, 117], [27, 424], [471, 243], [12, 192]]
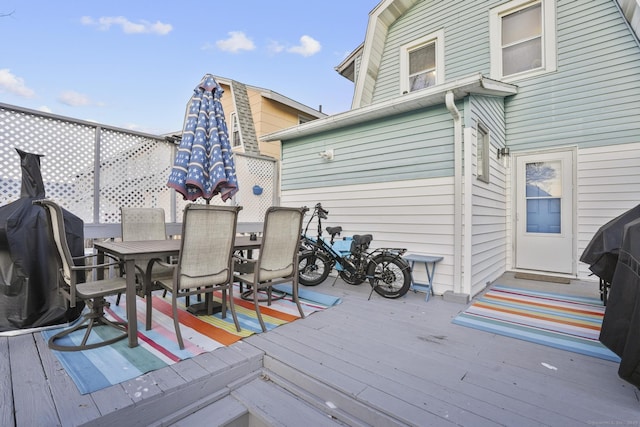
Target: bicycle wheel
[[389, 276], [313, 268]]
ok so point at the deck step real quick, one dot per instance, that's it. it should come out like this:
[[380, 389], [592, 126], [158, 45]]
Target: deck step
[[226, 412], [336, 403], [254, 401], [177, 402], [271, 405]]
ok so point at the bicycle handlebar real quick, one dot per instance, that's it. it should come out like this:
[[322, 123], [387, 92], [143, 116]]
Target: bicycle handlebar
[[322, 213]]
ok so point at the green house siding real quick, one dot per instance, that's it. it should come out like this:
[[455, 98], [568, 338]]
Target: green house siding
[[401, 147], [466, 35], [489, 111], [583, 103]]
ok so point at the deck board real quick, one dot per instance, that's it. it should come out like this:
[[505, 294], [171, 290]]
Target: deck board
[[32, 400], [414, 375], [383, 362], [6, 389], [73, 409]]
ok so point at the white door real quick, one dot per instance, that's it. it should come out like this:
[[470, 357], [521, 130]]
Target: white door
[[544, 212]]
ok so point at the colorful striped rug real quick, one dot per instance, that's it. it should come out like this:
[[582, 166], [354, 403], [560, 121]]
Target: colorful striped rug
[[561, 321], [92, 370]]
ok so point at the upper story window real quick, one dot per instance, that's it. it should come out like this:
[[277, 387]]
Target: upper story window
[[422, 63], [236, 136], [523, 39]]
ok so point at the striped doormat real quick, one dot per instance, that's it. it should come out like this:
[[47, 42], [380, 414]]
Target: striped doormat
[[562, 321], [95, 369]]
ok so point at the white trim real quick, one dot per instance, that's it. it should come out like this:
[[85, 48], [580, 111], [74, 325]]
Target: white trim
[[549, 54], [380, 18], [438, 39], [429, 97], [470, 136], [484, 145]]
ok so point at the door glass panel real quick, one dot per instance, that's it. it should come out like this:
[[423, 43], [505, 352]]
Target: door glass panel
[[544, 195]]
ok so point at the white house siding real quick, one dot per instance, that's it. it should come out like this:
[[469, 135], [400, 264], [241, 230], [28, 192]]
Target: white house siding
[[413, 214], [608, 185]]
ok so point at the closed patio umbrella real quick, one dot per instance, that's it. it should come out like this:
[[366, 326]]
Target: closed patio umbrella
[[204, 164]]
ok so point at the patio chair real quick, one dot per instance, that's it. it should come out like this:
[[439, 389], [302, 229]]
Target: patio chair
[[205, 263], [277, 260], [74, 288], [144, 224]]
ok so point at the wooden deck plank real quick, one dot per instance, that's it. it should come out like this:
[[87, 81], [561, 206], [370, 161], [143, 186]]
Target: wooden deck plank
[[73, 408], [111, 399], [6, 386], [31, 395], [226, 409], [394, 372], [274, 406], [424, 382], [340, 406], [406, 350]]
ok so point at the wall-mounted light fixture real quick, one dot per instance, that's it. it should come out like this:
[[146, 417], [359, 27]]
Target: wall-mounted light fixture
[[326, 154], [503, 152]]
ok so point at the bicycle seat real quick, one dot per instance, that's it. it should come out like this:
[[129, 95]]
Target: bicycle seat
[[334, 230]]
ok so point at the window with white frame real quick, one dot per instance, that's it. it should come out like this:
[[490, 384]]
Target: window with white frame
[[482, 153], [523, 39], [236, 135], [422, 63]]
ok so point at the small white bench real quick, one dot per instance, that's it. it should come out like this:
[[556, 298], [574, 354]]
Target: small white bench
[[429, 262]]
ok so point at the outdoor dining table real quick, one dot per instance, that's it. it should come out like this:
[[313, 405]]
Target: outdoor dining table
[[130, 251]]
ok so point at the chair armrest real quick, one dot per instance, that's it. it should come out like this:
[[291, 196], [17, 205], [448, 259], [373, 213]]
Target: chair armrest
[[94, 266], [85, 257], [161, 263]]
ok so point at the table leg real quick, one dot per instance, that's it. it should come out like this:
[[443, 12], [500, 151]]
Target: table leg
[[132, 321]]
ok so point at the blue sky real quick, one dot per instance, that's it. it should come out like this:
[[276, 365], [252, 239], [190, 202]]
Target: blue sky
[[134, 63]]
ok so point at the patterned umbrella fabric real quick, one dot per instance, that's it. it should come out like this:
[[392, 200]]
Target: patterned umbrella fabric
[[204, 165]]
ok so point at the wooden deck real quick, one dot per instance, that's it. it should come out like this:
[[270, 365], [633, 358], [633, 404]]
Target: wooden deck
[[378, 362]]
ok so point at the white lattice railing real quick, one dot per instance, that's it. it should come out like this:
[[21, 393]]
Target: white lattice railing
[[133, 170]]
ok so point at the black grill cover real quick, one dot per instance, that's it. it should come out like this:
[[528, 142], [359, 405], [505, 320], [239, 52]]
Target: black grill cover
[[28, 268], [621, 324], [602, 251]]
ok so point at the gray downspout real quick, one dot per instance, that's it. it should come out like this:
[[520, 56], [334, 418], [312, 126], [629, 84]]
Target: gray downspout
[[457, 192]]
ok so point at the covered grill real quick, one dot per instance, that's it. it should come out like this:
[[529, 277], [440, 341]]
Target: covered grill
[[621, 321], [602, 251], [28, 270]]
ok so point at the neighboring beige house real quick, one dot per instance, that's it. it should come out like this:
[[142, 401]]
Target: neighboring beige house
[[252, 111]]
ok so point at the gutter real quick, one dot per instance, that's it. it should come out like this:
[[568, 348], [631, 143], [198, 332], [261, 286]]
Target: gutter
[[474, 84], [457, 192]]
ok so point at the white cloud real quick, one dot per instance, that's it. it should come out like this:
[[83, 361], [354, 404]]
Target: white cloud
[[275, 47], [45, 109], [308, 46], [142, 27], [74, 99], [236, 42], [9, 82]]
